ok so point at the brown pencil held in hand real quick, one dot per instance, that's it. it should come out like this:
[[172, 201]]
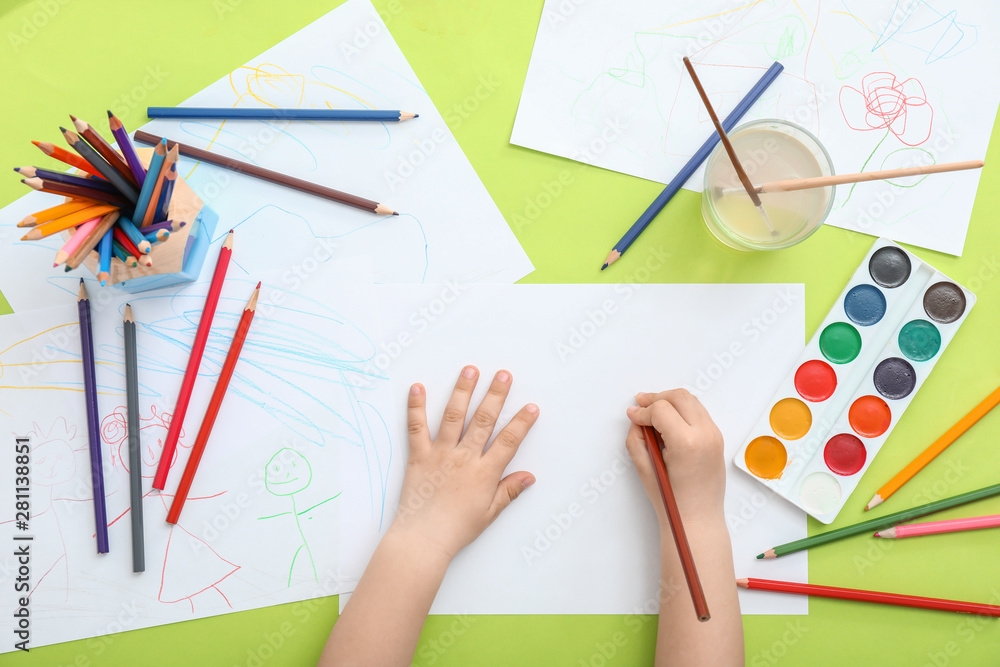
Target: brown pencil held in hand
[[676, 527]]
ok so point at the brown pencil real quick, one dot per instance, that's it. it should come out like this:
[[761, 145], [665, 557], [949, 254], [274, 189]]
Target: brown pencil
[[89, 243], [113, 157], [676, 527], [70, 190], [724, 138], [268, 175]]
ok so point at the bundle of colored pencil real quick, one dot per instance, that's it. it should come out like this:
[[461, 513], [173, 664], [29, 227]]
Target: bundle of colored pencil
[[116, 207]]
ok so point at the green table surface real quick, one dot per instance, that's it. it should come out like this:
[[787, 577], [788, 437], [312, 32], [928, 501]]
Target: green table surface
[[67, 56]]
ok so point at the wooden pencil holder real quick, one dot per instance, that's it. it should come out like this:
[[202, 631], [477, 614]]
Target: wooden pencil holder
[[180, 257]]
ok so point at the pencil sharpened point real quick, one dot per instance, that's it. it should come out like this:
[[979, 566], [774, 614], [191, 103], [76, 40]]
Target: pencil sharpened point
[[258, 284], [604, 266]]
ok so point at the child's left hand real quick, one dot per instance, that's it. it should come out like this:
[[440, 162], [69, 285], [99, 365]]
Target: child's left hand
[[452, 489]]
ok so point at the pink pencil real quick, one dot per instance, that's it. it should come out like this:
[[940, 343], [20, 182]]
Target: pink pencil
[[82, 232], [935, 527]]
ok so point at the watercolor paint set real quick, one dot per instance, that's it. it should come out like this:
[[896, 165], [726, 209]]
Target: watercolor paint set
[[854, 380]]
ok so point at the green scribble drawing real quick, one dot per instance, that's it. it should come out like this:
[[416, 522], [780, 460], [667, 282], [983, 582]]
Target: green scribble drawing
[[286, 474], [905, 157], [784, 37]]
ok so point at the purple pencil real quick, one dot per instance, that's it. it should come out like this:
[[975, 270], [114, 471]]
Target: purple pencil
[[127, 149], [69, 179], [169, 225], [93, 419]]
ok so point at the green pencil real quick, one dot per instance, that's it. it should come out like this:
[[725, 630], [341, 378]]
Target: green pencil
[[882, 522]]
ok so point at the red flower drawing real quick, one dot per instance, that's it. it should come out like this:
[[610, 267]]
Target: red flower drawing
[[885, 102]]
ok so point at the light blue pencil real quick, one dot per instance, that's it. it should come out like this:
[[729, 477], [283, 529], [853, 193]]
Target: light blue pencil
[[133, 233], [159, 153], [158, 235]]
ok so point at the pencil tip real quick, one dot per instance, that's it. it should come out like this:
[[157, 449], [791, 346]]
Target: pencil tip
[[72, 118], [110, 115], [395, 212], [258, 284], [604, 266], [760, 556]]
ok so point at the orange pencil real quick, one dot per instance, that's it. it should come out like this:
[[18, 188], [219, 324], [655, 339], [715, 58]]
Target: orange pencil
[[149, 216], [225, 375], [67, 222], [939, 445], [676, 527], [63, 155], [54, 212]]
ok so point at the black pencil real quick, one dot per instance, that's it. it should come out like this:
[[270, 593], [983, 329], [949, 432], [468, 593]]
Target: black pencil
[[100, 164], [134, 457]]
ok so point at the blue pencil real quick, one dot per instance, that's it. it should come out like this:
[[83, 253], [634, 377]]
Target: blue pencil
[[166, 192], [146, 193], [104, 260], [692, 165], [268, 113]]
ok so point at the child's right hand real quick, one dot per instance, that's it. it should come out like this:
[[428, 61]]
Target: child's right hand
[[693, 452]]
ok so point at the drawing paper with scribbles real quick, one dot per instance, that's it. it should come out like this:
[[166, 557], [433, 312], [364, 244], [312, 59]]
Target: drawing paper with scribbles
[[448, 227], [260, 526], [883, 84]]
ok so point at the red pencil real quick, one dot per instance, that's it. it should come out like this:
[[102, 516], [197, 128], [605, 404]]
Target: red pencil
[[870, 596], [130, 247], [191, 374], [676, 527], [208, 422]]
